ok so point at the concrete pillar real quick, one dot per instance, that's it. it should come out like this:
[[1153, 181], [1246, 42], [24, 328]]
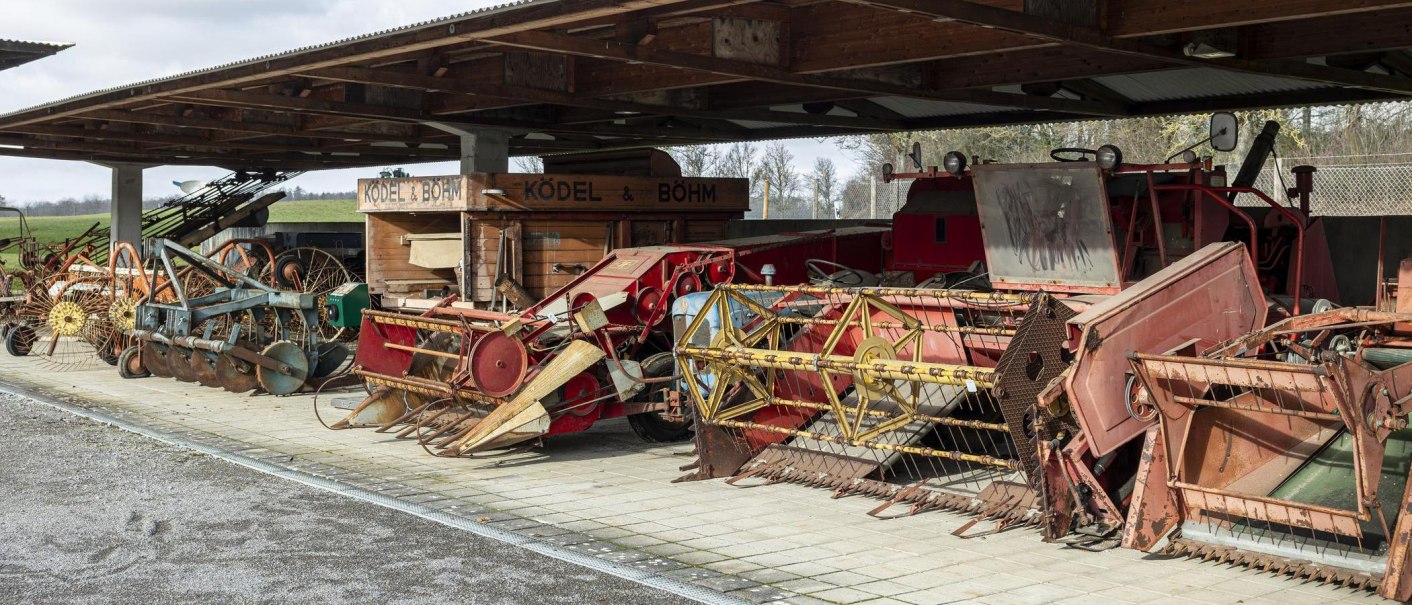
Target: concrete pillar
[[126, 213], [482, 149]]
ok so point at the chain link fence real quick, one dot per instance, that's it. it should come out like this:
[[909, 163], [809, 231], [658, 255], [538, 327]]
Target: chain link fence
[[1345, 185], [1364, 185]]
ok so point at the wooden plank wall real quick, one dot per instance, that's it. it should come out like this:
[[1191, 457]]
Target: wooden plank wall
[[387, 254], [541, 244]]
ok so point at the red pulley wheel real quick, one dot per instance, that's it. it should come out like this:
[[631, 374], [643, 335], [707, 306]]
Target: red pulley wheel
[[498, 364], [580, 389], [721, 272], [647, 301], [688, 283]]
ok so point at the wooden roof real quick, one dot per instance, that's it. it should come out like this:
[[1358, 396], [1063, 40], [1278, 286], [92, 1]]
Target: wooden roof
[[14, 53], [579, 75]]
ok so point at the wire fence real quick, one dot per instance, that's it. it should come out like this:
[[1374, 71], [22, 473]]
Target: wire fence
[[1362, 185], [1346, 185]]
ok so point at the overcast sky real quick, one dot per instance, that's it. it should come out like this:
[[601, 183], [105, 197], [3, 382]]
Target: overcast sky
[[120, 42]]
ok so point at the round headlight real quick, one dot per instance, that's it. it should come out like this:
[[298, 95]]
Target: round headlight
[[1189, 156], [887, 169], [954, 162], [1109, 157]]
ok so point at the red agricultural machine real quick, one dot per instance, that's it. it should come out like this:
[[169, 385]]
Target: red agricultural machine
[[1009, 392], [1286, 449], [463, 379]]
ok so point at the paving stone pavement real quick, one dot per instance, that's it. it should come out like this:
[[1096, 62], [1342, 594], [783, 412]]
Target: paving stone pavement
[[606, 493]]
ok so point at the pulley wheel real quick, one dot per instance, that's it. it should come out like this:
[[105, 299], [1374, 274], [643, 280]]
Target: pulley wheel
[[130, 364], [235, 375], [154, 358], [280, 383], [179, 363], [647, 300], [868, 351], [578, 391], [687, 284], [20, 341], [498, 364], [204, 368], [721, 272], [331, 358]]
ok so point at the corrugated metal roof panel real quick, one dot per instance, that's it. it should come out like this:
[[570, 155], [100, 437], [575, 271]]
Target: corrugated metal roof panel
[[924, 108], [33, 45], [304, 49], [1198, 82]]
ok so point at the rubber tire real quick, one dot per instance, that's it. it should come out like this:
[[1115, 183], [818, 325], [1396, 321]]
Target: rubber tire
[[651, 427], [127, 360], [13, 347]]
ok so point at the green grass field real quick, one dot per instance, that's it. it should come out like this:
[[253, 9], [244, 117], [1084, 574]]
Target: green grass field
[[50, 229]]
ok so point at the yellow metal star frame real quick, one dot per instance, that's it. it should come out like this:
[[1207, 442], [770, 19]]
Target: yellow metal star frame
[[749, 349]]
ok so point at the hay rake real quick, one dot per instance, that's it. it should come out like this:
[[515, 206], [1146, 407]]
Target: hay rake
[[81, 312]]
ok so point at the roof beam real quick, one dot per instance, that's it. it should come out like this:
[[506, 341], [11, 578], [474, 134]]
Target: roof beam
[[1048, 30], [239, 98], [608, 49], [237, 126], [384, 77]]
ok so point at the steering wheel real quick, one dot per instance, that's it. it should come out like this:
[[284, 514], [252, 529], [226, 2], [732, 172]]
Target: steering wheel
[[1059, 155], [847, 276]]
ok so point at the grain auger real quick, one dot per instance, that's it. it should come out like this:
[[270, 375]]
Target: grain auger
[[1286, 450], [240, 335]]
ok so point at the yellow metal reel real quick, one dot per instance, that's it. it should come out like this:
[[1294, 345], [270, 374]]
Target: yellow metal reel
[[123, 314], [66, 318]]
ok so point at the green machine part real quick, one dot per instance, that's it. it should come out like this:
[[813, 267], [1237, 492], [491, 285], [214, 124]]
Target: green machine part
[[346, 303]]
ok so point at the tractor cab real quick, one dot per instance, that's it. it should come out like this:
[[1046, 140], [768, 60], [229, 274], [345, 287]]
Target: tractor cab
[[1089, 223]]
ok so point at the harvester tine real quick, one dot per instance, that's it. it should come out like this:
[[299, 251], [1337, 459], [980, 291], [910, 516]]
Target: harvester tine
[[404, 419], [897, 498], [757, 470]]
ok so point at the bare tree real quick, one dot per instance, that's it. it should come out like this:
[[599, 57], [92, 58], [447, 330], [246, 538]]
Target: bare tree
[[855, 199], [738, 162], [696, 160], [777, 170], [530, 164], [825, 182]]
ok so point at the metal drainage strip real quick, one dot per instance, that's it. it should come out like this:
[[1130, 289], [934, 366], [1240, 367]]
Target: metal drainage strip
[[696, 593]]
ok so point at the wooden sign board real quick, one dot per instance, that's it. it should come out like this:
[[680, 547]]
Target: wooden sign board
[[415, 194], [530, 192]]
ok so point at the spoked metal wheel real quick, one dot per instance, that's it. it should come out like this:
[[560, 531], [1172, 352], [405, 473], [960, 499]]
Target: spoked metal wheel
[[313, 271], [63, 320]]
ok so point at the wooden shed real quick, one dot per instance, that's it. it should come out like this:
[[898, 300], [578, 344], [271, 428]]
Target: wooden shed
[[432, 236]]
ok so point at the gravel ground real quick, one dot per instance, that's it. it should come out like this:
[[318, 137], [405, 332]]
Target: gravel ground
[[93, 514]]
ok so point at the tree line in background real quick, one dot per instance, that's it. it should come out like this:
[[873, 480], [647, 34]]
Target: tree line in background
[[1356, 132], [96, 204]]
